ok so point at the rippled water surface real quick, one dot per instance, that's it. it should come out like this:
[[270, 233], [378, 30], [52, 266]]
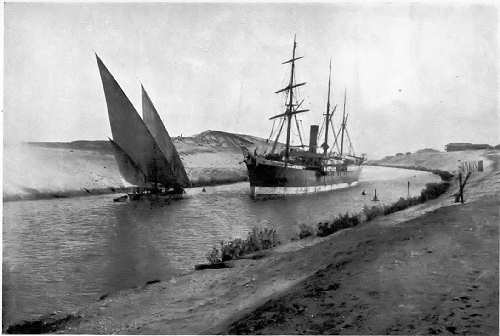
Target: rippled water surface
[[63, 253]]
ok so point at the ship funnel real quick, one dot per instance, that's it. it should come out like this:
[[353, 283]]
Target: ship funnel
[[313, 138]]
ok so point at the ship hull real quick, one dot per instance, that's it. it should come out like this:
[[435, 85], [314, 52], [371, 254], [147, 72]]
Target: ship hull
[[270, 179]]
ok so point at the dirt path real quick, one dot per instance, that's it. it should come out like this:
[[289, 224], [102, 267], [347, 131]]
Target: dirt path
[[385, 258]]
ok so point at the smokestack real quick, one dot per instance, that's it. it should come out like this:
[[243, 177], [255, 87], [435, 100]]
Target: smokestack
[[313, 138]]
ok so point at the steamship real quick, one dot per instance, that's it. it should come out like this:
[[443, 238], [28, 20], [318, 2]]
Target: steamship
[[303, 169]]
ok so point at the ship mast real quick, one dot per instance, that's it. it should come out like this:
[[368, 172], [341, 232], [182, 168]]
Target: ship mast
[[290, 111], [327, 115], [343, 126]]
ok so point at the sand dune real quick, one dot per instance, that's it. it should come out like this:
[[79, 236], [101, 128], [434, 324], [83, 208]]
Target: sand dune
[[37, 170], [448, 161]]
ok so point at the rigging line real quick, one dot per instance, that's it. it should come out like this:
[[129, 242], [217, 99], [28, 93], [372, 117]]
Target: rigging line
[[335, 136], [351, 147], [278, 135], [336, 139], [298, 129], [321, 129], [296, 121], [272, 130], [335, 144]]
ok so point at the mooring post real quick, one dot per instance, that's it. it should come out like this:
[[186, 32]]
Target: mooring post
[[408, 189]]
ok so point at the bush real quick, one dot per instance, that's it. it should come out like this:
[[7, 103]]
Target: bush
[[257, 239], [445, 175], [306, 231], [433, 190], [401, 204], [339, 223], [372, 212], [214, 256]]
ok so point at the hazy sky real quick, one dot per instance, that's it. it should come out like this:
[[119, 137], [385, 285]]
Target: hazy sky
[[417, 75]]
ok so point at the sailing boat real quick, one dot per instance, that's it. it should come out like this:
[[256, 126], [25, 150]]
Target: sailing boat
[[295, 170], [143, 149]]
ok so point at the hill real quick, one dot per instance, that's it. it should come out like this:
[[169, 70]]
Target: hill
[[57, 169], [431, 159]]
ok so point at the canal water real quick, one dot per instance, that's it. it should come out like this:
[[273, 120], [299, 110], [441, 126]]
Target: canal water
[[61, 254]]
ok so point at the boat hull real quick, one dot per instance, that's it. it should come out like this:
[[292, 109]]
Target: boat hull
[[154, 197], [269, 179]]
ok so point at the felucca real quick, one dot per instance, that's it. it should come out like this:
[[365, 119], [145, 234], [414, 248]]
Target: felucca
[[144, 151]]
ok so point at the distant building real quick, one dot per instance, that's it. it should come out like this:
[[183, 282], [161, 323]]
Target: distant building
[[460, 146], [427, 150]]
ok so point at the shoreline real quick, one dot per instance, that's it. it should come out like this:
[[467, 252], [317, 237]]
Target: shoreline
[[110, 190], [198, 183], [445, 175], [210, 300]]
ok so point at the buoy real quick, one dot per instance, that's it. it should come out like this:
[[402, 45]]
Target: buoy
[[363, 193], [203, 190]]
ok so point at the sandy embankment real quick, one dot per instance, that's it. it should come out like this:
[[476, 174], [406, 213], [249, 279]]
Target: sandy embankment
[[69, 169], [433, 266]]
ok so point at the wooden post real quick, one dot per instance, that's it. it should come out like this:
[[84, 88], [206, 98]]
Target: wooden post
[[459, 197]]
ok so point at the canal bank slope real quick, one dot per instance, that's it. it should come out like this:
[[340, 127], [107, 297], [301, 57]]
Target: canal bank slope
[[64, 169], [436, 273], [421, 265]]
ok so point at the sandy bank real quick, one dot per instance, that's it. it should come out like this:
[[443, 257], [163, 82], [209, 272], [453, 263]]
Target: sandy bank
[[35, 172], [448, 161], [388, 252]]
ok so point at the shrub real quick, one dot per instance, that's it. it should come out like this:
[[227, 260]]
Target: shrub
[[306, 231], [433, 190], [339, 223], [257, 239], [401, 204], [445, 175], [214, 256], [372, 212]]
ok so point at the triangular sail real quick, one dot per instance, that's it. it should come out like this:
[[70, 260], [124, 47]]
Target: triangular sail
[[160, 134], [131, 134], [128, 169]]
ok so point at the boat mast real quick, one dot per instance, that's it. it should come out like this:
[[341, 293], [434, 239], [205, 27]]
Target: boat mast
[[327, 115], [290, 110], [343, 126], [289, 107]]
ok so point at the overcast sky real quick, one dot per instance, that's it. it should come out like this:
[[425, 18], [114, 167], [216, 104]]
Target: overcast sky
[[417, 75]]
